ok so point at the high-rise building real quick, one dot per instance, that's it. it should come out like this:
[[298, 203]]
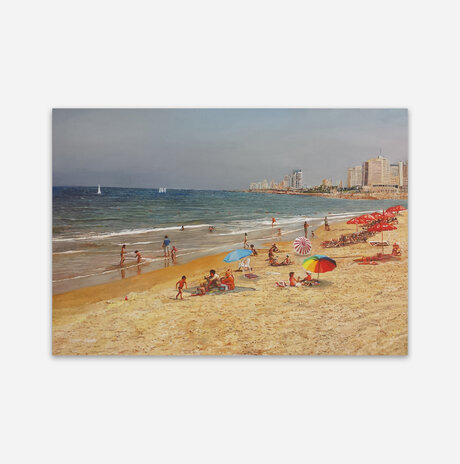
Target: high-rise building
[[297, 178], [355, 177], [405, 175], [394, 174], [326, 182], [376, 171]]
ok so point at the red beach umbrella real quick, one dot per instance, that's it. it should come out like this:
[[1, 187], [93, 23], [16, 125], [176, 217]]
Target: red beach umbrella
[[377, 216], [356, 220], [366, 218], [388, 214], [380, 227], [396, 209]]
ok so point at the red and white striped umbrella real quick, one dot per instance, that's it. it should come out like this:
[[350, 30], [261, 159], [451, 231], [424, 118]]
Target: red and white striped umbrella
[[302, 245]]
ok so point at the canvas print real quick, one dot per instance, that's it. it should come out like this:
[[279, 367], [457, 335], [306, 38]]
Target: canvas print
[[230, 232]]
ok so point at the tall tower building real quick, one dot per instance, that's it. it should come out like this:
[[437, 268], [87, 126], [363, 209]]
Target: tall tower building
[[297, 178], [355, 176]]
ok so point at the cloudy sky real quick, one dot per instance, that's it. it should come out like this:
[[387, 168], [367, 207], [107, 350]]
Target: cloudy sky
[[218, 148]]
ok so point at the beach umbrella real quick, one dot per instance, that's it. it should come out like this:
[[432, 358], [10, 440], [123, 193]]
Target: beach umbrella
[[366, 218], [377, 216], [388, 214], [356, 220], [236, 255], [319, 263], [396, 209], [381, 227], [302, 245]]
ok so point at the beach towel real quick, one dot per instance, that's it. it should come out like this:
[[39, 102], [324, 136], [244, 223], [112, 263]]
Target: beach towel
[[251, 276], [216, 291]]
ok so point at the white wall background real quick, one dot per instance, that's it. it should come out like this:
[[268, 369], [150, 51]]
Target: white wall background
[[208, 54]]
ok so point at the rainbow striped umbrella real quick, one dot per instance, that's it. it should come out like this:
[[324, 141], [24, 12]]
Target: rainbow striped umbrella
[[319, 263], [302, 245]]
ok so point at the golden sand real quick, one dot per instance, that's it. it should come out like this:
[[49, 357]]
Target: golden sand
[[356, 309]]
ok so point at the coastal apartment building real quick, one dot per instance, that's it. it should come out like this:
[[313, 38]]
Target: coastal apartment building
[[379, 175], [355, 177], [376, 171]]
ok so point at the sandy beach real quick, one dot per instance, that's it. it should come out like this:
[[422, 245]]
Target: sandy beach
[[356, 309]]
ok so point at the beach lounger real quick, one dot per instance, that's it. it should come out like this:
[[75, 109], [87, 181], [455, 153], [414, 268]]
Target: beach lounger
[[377, 243]]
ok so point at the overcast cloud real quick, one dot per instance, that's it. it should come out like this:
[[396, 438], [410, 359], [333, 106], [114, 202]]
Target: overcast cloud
[[218, 148]]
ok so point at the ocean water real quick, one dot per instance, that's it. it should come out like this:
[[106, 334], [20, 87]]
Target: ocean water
[[89, 229]]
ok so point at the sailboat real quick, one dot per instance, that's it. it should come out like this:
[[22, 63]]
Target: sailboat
[[98, 189], [162, 190]]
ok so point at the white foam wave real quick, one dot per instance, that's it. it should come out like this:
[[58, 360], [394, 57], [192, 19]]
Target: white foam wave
[[126, 232]]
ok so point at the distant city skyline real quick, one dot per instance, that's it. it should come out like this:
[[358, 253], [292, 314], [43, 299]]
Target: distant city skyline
[[219, 148]]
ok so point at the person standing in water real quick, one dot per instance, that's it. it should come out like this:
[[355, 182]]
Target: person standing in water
[[166, 246], [122, 254], [326, 223], [138, 256], [173, 254]]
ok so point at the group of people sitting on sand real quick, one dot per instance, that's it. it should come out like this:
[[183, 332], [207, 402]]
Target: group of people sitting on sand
[[213, 280], [294, 281], [273, 260]]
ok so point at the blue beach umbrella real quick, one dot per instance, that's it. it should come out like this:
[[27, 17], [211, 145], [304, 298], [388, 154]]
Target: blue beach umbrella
[[237, 255]]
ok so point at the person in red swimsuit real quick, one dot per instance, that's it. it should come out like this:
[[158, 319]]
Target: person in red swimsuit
[[180, 285]]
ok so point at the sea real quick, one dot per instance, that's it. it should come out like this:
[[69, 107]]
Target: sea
[[90, 228]]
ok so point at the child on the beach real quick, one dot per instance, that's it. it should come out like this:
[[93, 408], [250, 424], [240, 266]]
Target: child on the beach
[[254, 251], [173, 254], [180, 285], [200, 290], [138, 256]]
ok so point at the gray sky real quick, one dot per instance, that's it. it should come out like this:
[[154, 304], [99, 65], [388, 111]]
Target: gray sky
[[219, 148]]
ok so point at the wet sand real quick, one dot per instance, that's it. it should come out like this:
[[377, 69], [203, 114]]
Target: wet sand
[[356, 309]]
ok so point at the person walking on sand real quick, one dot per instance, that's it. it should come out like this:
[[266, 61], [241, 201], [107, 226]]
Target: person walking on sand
[[305, 228], [245, 242], [138, 256], [326, 224], [166, 246], [180, 285], [122, 254]]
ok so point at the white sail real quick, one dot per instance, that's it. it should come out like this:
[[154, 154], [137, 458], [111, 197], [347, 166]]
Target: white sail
[[98, 189]]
